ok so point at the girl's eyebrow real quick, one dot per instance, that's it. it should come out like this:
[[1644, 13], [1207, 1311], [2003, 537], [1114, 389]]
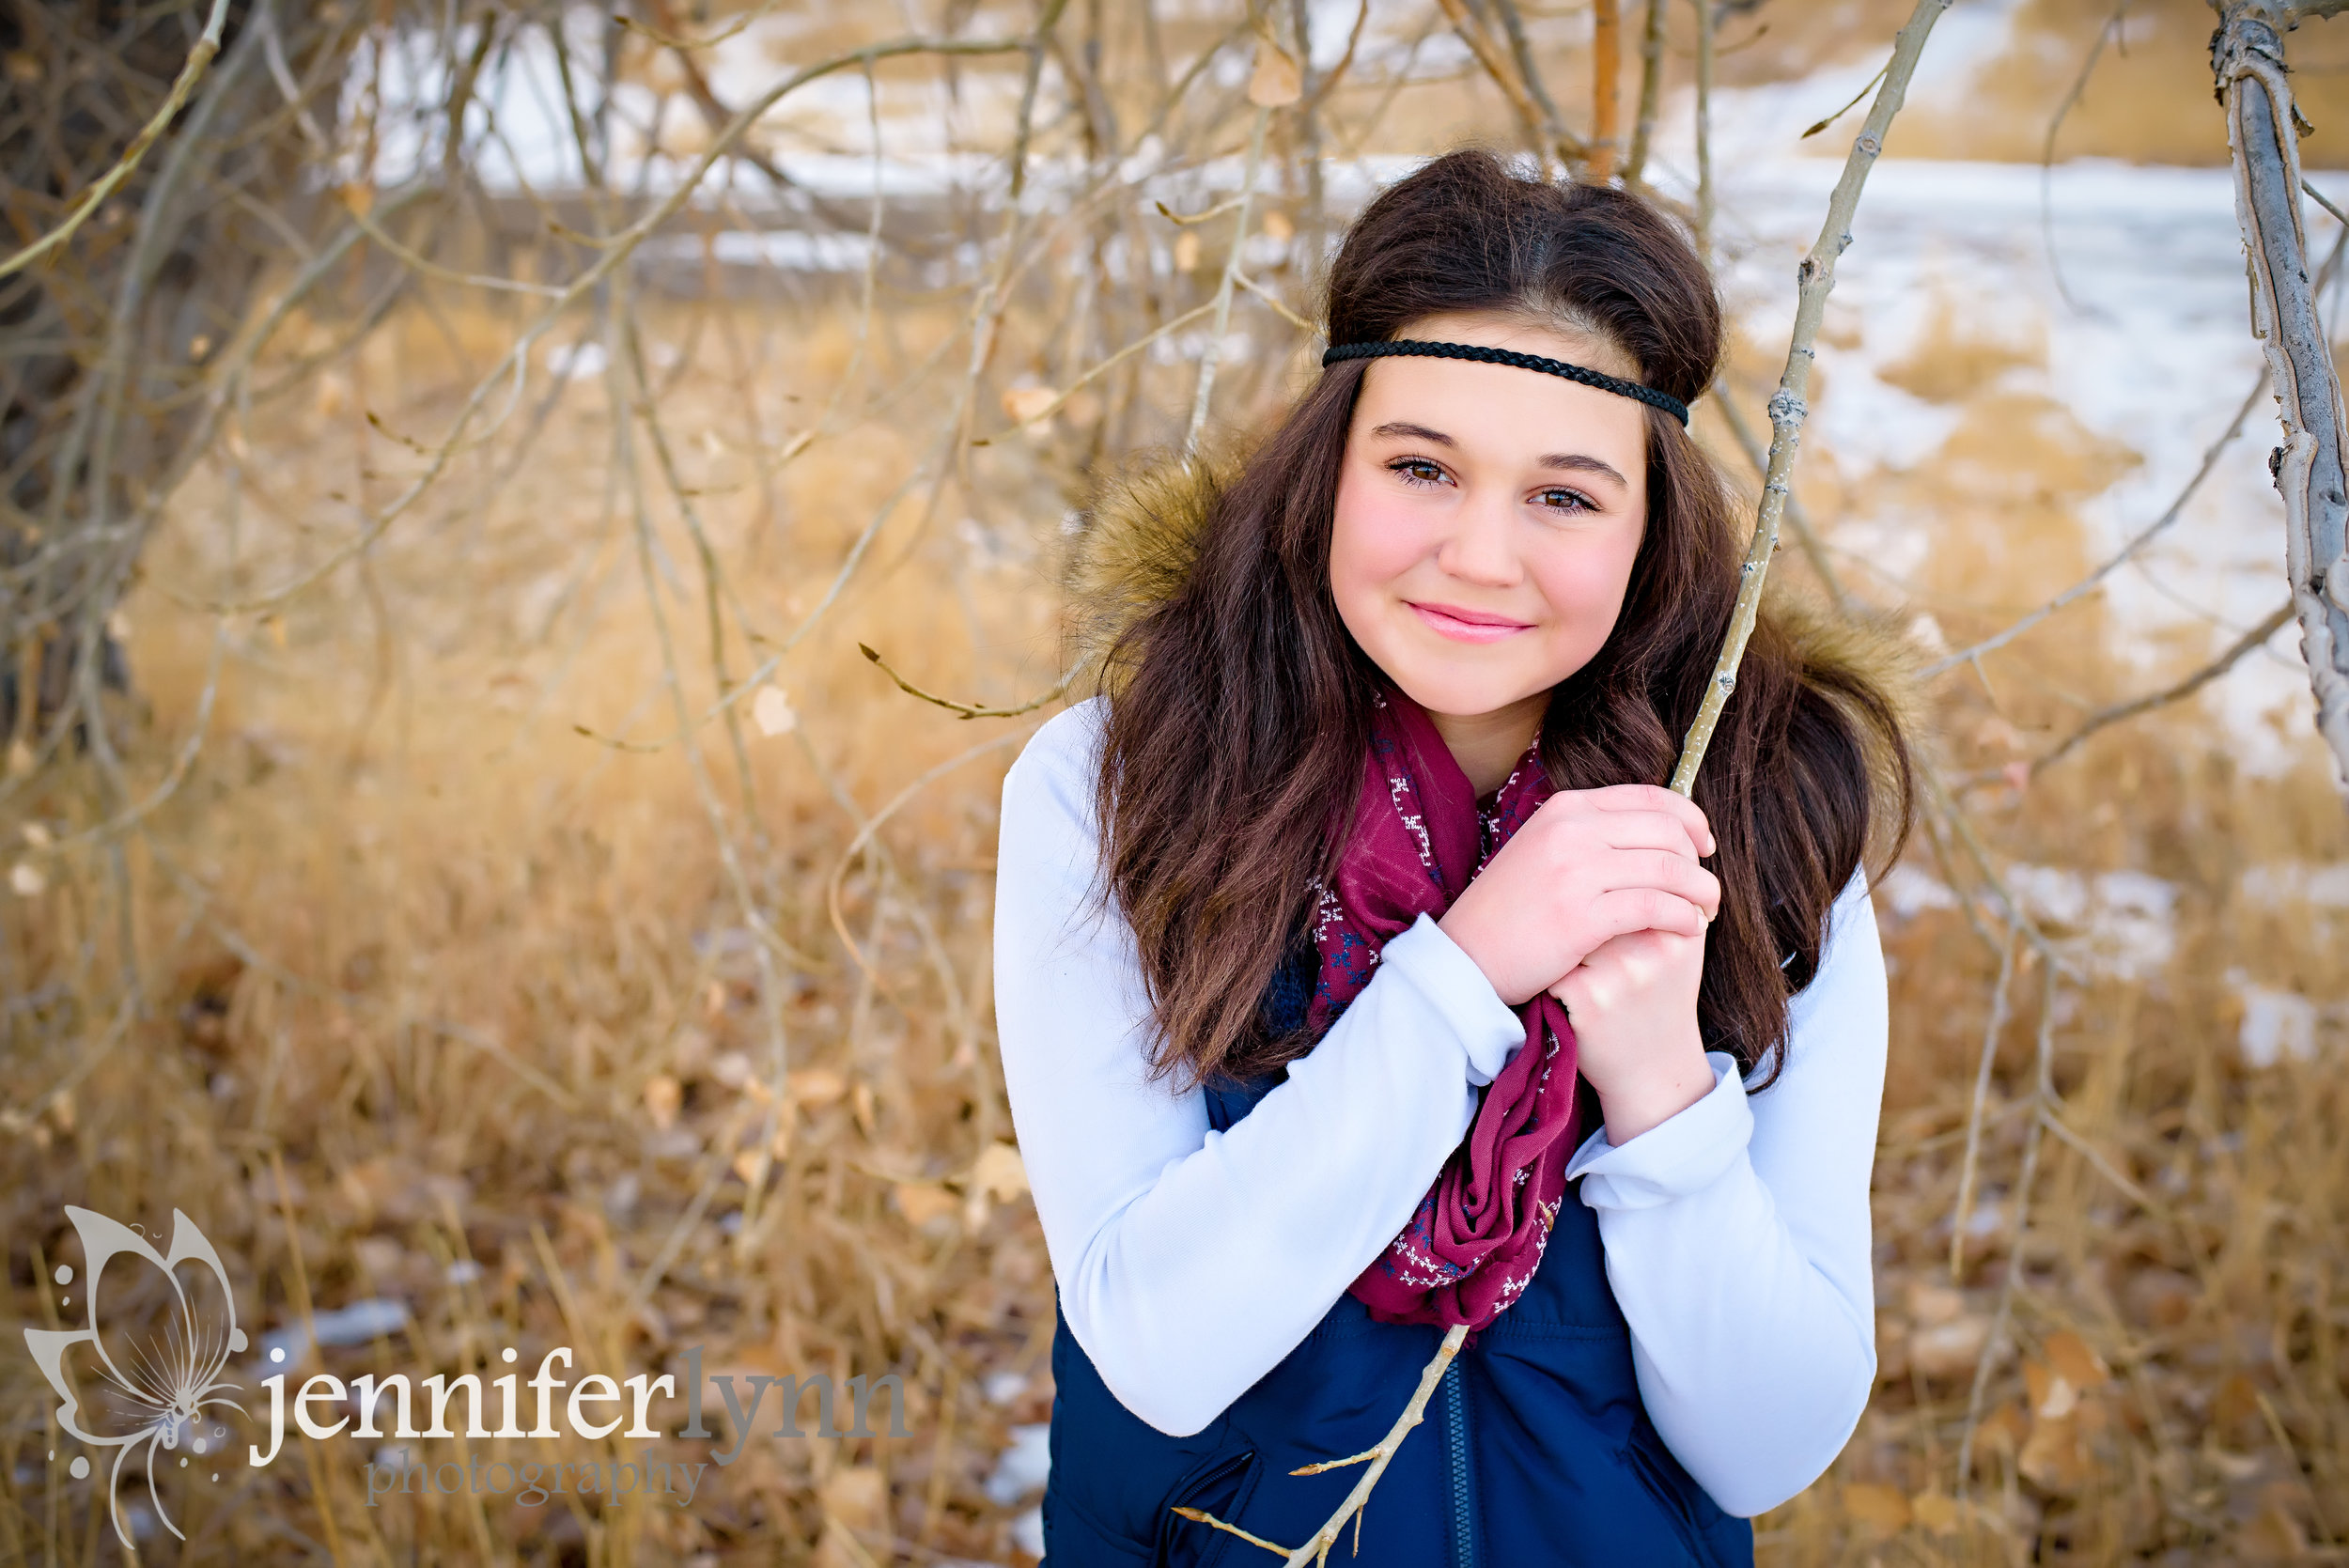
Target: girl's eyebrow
[[1581, 462], [1420, 432], [1569, 462]]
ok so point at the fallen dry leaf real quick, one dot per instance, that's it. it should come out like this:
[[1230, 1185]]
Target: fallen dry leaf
[[771, 710], [817, 1087], [2076, 1361], [663, 1097], [999, 1172], [1948, 1349], [1929, 1303]]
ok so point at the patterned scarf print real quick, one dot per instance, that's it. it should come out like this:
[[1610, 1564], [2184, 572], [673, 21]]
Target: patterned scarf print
[[1417, 838]]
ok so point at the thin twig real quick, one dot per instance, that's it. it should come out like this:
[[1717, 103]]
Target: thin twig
[[1048, 18], [1541, 131], [1959, 1215], [1994, 1340], [1214, 354], [865, 834], [1651, 91], [1316, 1550], [1103, 369], [1816, 279], [2128, 552], [200, 59], [969, 710], [2103, 718], [1704, 9], [1797, 518], [1521, 51], [1280, 307], [2047, 151]]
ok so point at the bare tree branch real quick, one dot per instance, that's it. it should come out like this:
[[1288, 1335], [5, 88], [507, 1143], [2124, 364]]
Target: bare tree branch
[[968, 710], [2247, 56], [2105, 717], [1814, 279], [1651, 91], [2125, 553], [1541, 131], [1606, 85]]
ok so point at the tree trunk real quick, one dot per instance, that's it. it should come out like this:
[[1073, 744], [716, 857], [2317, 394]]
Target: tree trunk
[[105, 342]]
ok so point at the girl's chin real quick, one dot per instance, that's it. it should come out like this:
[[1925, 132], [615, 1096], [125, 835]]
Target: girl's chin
[[1446, 693]]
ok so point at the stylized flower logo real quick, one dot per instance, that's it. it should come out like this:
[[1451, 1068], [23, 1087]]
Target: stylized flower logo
[[153, 1388]]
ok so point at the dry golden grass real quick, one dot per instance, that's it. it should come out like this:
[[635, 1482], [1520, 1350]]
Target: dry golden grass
[[479, 985]]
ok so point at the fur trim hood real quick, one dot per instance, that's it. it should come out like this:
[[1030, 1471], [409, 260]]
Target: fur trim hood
[[1136, 541], [1138, 538]]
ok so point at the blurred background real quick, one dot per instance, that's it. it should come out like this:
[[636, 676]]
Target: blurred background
[[457, 851]]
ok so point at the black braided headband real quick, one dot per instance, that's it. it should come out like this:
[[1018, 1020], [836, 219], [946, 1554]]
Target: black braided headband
[[1617, 384]]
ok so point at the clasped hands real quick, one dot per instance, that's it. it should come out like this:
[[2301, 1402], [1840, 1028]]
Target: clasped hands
[[1599, 899]]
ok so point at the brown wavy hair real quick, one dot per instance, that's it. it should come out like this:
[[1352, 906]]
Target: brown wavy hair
[[1239, 706]]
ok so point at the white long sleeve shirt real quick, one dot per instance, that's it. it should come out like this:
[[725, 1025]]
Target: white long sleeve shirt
[[1191, 1261]]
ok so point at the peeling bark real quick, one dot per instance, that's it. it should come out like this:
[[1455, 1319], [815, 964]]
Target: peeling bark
[[2246, 57]]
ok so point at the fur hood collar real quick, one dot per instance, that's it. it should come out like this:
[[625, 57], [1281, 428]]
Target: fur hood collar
[[1135, 543]]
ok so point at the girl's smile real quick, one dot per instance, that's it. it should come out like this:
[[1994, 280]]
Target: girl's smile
[[1469, 626]]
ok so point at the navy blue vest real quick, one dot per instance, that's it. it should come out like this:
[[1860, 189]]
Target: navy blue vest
[[1535, 1449]]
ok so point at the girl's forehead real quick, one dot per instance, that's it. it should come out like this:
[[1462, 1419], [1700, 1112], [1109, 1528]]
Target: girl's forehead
[[1527, 334], [1499, 411]]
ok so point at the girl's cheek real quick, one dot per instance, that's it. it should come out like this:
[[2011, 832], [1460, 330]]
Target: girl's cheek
[[1374, 539], [1586, 591]]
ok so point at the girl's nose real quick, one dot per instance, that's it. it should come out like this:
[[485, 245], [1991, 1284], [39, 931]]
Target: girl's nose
[[1481, 546]]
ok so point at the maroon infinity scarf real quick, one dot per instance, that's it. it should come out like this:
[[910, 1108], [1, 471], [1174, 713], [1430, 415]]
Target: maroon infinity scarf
[[1418, 837]]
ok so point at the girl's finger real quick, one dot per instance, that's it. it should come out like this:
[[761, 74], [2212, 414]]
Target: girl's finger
[[1622, 910], [1646, 829], [1661, 869], [1627, 798]]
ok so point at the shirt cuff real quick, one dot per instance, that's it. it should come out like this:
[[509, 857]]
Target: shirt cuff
[[1442, 972], [1680, 1155]]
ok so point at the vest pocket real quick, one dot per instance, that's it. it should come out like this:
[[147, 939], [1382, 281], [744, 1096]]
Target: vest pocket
[[1666, 1489], [1220, 1485]]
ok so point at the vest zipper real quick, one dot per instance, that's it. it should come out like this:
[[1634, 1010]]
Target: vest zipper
[[1456, 1463]]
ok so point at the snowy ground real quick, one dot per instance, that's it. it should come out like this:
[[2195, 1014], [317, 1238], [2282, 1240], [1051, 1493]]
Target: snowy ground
[[2150, 349]]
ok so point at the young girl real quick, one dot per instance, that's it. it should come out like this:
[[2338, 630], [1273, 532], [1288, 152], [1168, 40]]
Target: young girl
[[1356, 979]]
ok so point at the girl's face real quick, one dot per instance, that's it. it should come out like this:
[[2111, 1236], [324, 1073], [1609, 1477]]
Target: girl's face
[[1488, 517]]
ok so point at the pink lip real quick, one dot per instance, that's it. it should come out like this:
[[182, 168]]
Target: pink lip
[[1468, 625]]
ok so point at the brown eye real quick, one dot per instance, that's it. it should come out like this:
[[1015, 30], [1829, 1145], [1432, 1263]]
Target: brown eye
[[1567, 501], [1417, 471]]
